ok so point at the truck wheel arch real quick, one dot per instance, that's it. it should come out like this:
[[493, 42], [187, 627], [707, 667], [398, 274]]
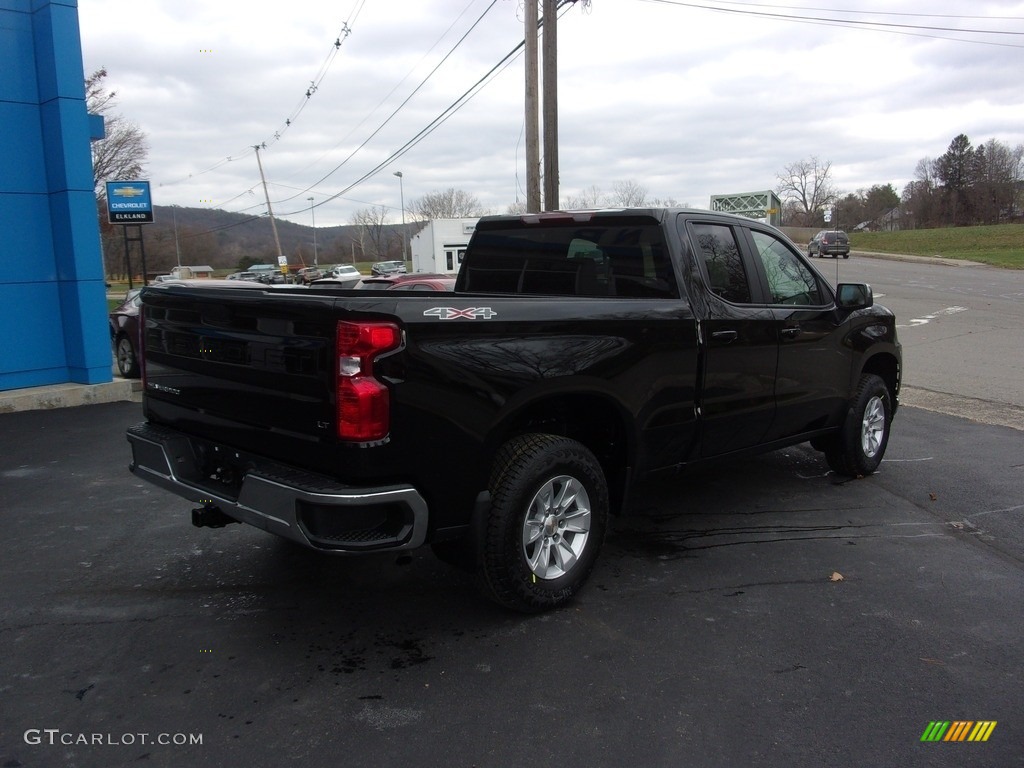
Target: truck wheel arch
[[593, 419], [886, 366]]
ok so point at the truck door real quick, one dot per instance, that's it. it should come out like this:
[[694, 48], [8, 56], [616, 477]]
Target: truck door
[[740, 343], [814, 369]]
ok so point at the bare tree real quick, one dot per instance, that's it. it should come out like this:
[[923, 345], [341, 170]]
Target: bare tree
[[628, 194], [966, 185], [371, 231], [448, 204], [997, 179], [122, 153], [668, 202], [920, 198], [591, 197], [808, 184]]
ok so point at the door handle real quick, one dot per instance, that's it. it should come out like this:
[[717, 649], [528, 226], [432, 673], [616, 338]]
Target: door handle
[[789, 333], [726, 336]]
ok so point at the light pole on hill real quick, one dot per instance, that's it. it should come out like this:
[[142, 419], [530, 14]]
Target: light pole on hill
[[312, 212], [401, 192]]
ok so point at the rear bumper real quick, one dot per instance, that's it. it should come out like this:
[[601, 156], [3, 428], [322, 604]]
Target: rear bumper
[[305, 507]]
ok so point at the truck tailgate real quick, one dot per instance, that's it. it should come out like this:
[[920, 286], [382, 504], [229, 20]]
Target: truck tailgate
[[242, 356]]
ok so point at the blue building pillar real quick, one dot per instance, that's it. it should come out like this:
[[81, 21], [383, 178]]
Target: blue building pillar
[[52, 294]]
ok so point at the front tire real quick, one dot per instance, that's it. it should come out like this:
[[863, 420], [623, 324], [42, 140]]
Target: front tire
[[549, 511], [859, 447], [127, 360]]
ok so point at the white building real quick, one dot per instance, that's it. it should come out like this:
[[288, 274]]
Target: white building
[[187, 273], [441, 244]]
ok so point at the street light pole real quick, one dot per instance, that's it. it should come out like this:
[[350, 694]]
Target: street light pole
[[312, 212], [177, 247], [401, 192]]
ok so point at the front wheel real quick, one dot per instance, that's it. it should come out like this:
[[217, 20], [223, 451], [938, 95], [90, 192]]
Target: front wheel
[[549, 510], [858, 448], [127, 361]]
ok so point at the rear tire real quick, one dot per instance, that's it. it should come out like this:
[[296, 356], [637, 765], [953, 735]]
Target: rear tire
[[860, 445], [549, 510]]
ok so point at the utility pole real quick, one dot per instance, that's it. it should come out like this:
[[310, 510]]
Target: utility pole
[[532, 112], [312, 211], [270, 211], [401, 192], [177, 247], [550, 105]]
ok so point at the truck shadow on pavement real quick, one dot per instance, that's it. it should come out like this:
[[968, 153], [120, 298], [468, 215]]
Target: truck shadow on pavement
[[386, 605]]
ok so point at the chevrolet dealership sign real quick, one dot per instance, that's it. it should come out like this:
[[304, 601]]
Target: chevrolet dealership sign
[[128, 202]]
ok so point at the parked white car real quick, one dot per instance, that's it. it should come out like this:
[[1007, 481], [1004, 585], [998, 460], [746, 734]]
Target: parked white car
[[343, 271]]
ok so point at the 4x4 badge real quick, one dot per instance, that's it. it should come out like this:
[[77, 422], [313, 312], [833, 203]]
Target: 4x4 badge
[[451, 313]]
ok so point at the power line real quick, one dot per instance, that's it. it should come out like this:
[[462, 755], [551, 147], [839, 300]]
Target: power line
[[397, 109], [389, 94], [390, 117], [442, 117], [312, 88], [439, 120], [431, 127], [873, 13], [882, 26], [314, 84]]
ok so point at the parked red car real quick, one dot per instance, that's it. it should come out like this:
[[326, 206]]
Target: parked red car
[[414, 282]]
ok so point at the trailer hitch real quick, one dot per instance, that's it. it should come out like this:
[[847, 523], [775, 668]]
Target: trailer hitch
[[210, 516]]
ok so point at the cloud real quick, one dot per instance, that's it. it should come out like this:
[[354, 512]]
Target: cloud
[[684, 101]]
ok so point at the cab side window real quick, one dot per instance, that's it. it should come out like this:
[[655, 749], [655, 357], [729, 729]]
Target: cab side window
[[789, 280], [718, 249]]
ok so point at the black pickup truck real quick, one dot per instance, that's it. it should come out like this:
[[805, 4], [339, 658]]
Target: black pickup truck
[[580, 353]]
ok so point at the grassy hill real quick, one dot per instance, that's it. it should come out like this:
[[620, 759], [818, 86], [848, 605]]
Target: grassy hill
[[1001, 245], [221, 239]]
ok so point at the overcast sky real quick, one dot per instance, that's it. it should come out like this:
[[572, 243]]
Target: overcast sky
[[683, 99]]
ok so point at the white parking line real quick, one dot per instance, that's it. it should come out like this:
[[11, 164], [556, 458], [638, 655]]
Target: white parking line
[[928, 318]]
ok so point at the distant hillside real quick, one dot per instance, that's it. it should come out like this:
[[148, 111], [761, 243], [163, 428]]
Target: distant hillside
[[222, 239]]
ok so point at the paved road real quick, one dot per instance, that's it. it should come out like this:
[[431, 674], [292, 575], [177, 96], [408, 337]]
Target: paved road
[[961, 330], [712, 632]]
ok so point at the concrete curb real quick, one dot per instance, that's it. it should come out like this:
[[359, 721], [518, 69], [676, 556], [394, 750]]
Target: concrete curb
[[917, 259], [69, 395]]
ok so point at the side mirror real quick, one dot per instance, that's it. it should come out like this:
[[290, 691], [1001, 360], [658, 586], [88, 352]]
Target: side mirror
[[851, 296]]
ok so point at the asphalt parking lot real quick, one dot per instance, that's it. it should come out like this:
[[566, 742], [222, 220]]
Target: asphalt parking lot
[[762, 614]]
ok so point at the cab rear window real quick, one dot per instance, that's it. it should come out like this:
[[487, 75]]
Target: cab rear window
[[571, 259]]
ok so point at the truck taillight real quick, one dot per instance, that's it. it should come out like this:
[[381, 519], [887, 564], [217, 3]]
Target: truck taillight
[[364, 411]]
